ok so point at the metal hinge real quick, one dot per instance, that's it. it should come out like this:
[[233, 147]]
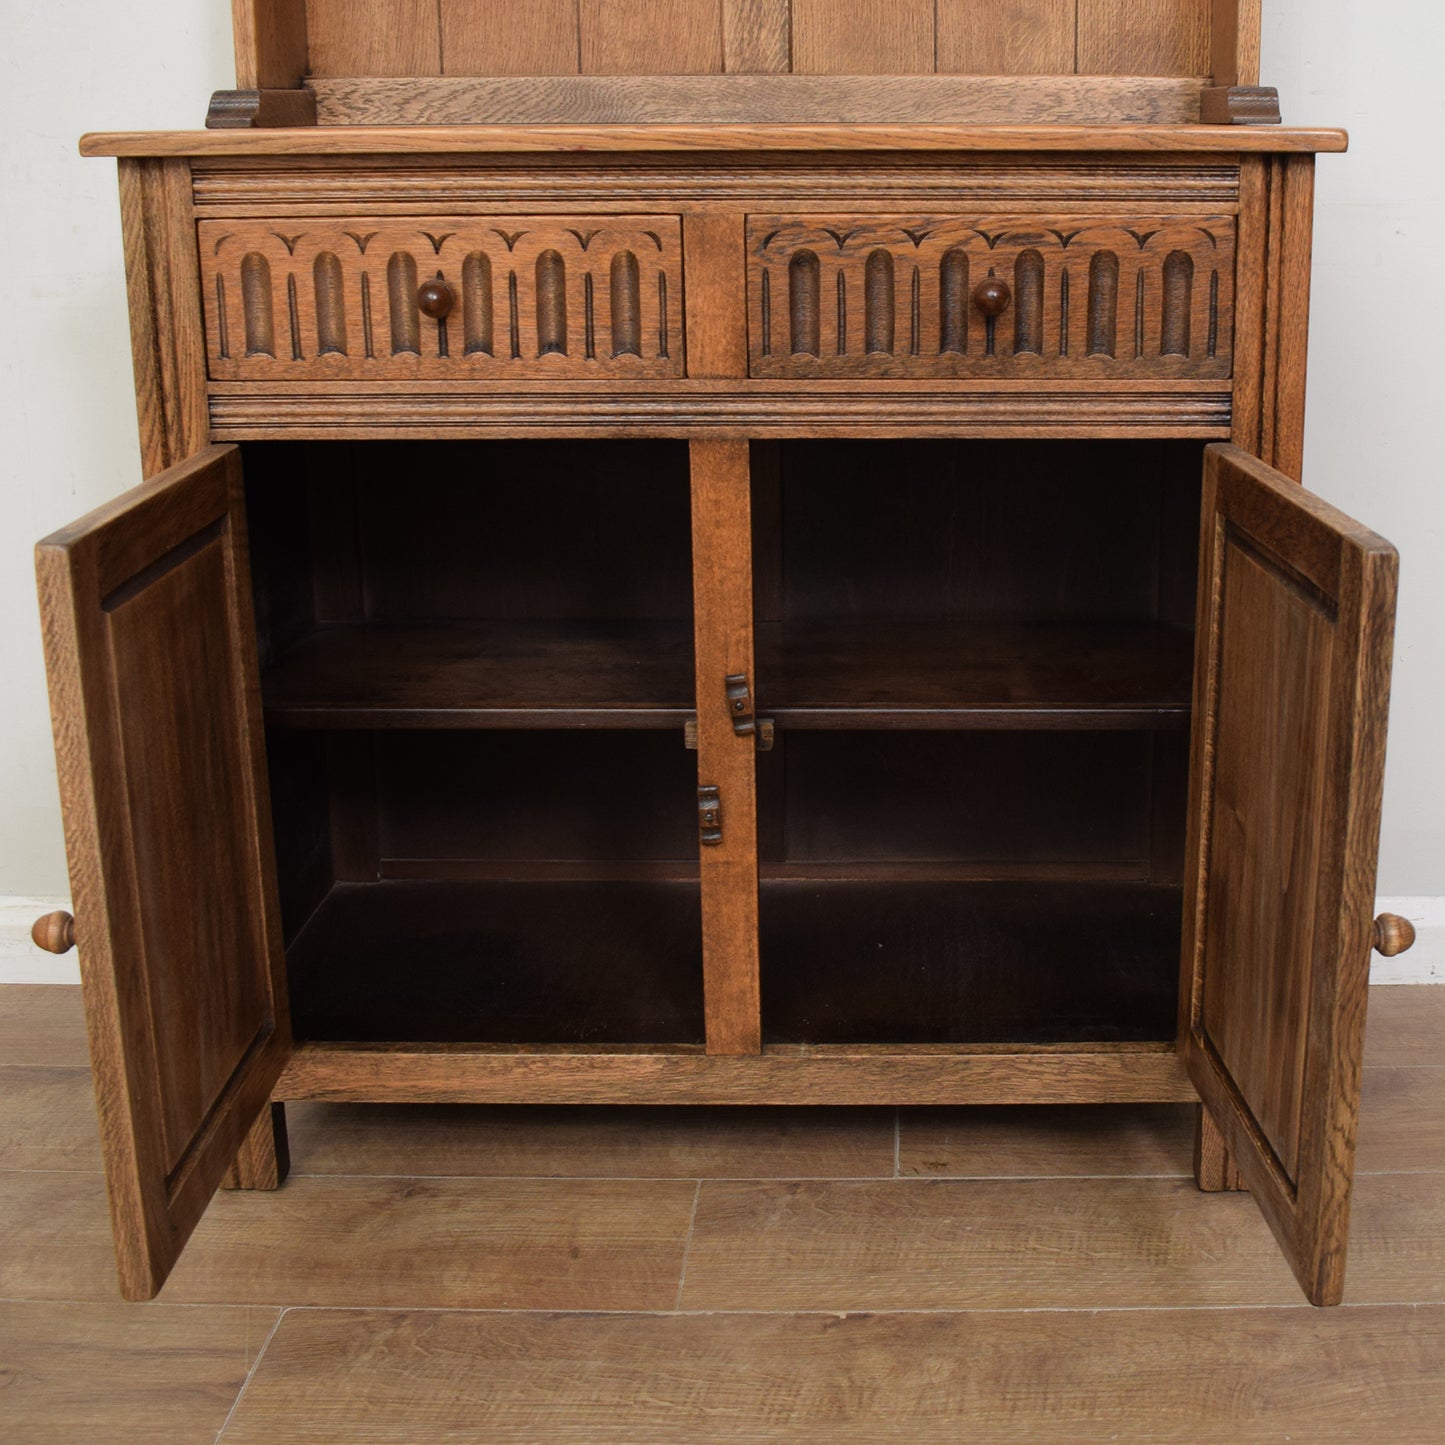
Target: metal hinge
[[709, 816]]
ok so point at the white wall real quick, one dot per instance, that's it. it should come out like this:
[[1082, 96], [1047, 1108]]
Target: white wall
[[67, 424]]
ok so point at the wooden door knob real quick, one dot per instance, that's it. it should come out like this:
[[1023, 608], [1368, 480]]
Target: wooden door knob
[[1393, 934], [55, 932], [992, 296], [435, 299]]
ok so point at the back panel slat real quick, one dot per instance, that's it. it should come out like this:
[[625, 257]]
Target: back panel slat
[[1006, 37]]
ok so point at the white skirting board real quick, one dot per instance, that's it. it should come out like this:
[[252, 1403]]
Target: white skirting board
[[22, 962]]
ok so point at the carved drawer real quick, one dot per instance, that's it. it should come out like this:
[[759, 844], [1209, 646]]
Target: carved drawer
[[522, 297], [991, 296]]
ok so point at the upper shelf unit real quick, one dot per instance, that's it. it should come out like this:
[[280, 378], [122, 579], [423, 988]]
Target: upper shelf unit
[[397, 62]]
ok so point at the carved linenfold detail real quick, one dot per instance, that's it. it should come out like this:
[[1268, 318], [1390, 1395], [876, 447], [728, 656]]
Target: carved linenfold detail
[[953, 302], [934, 259], [551, 304], [1178, 294], [293, 312], [477, 304], [257, 305], [803, 303], [1029, 303], [1103, 303], [401, 299], [223, 337], [573, 296], [878, 302], [626, 306], [330, 304]]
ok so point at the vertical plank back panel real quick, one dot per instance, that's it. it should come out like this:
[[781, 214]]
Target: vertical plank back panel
[[863, 37], [373, 37], [1234, 44], [508, 37], [757, 36], [1006, 37], [270, 40], [651, 37], [1163, 37]]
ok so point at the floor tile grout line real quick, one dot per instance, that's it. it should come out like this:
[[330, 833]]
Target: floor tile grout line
[[687, 1247], [281, 1313]]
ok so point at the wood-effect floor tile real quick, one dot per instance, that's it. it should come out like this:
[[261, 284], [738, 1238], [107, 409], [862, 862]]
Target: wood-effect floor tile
[[42, 1024], [1402, 1120], [396, 1378], [1032, 1244], [47, 1119], [579, 1244], [55, 1239], [595, 1141], [1405, 1024], [119, 1373], [1031, 1141]]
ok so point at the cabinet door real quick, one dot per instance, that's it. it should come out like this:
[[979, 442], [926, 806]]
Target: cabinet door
[[1296, 615], [151, 653]]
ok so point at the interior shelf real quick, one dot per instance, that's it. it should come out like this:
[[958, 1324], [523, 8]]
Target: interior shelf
[[513, 962], [504, 674], [852, 962], [887, 674], [874, 675]]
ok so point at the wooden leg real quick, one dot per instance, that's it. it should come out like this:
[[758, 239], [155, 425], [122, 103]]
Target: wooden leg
[[265, 1158], [1214, 1169]]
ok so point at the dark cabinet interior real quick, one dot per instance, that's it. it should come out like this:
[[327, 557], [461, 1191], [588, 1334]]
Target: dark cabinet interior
[[477, 672]]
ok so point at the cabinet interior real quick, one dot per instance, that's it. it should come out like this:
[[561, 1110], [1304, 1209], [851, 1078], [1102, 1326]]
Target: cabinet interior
[[477, 667]]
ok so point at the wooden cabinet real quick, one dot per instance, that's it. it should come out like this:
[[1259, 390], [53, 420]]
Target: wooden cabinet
[[719, 613]]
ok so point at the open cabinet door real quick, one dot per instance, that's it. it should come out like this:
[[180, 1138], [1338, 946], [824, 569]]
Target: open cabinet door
[[1292, 681], [151, 653]]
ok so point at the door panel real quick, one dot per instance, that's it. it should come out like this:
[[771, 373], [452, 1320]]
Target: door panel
[[1291, 694], [150, 649]]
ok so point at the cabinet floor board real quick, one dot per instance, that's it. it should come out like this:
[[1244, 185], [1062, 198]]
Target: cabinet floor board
[[583, 963], [1021, 963]]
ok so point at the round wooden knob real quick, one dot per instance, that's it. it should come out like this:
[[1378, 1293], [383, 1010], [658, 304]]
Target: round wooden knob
[[1393, 934], [55, 932], [435, 299], [992, 296]]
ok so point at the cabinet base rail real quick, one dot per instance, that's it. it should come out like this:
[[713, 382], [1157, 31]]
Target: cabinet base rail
[[781, 1074]]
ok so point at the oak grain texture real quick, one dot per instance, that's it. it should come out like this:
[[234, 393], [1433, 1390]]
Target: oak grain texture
[[1215, 1171], [863, 37], [1007, 37], [422, 1073], [1292, 687], [1039, 1142], [508, 37], [162, 281], [580, 1244], [975, 98], [722, 619], [666, 37], [707, 139], [592, 1142], [757, 36], [93, 1372], [150, 652], [1234, 42], [1163, 37], [373, 37], [270, 42], [1090, 1377]]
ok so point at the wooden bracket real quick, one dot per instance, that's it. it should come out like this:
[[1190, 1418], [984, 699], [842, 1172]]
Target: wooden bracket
[[1239, 105], [765, 732], [260, 109]]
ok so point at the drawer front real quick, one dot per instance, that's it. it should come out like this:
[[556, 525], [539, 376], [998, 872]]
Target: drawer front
[[530, 297], [1087, 298]]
